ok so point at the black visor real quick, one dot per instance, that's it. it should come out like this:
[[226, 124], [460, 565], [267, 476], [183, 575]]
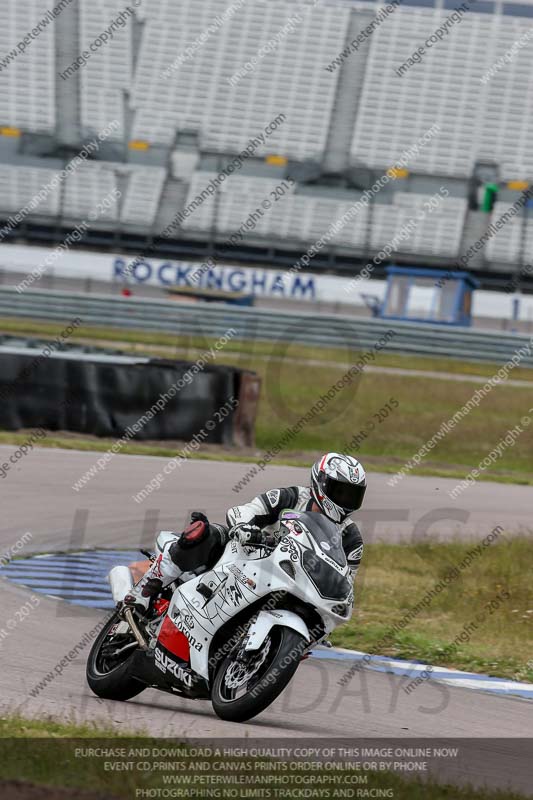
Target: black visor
[[343, 494]]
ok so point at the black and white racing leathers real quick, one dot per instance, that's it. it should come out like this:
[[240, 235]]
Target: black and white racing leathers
[[265, 510], [176, 559]]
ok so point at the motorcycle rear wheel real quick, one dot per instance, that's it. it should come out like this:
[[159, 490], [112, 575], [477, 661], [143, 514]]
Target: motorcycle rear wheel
[[261, 678], [107, 675]]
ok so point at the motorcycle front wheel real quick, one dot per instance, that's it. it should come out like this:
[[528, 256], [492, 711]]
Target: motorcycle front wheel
[[246, 684], [108, 665]]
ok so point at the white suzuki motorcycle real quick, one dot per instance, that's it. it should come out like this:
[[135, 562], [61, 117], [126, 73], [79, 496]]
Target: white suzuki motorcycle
[[235, 634]]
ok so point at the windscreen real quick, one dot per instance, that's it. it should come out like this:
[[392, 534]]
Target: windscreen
[[326, 534]]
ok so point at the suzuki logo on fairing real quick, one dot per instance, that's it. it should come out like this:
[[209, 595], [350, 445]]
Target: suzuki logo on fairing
[[165, 663]]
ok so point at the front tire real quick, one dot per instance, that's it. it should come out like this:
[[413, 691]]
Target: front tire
[[241, 691], [109, 676]]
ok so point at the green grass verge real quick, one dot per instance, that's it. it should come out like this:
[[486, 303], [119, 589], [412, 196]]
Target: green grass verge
[[139, 339], [354, 420], [390, 618], [43, 753]]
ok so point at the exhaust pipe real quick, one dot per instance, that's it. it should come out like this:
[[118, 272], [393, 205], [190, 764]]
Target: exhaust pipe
[[128, 615], [121, 581]]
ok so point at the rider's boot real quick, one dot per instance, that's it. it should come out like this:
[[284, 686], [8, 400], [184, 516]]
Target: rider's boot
[[181, 556], [162, 572]]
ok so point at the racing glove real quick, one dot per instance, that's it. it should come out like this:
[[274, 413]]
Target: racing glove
[[247, 534]]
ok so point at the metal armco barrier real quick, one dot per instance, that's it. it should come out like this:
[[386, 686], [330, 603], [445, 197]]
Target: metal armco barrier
[[321, 330]]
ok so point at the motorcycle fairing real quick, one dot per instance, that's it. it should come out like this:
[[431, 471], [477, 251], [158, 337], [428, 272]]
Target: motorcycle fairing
[[237, 582], [174, 641], [266, 620], [160, 668]]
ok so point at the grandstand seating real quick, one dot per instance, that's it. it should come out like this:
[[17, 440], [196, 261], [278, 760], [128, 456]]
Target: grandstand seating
[[198, 96], [437, 233], [143, 193], [85, 190], [108, 73], [492, 121], [506, 126], [528, 243], [27, 83], [506, 244], [296, 217], [478, 121], [19, 185], [305, 217], [195, 101], [87, 187]]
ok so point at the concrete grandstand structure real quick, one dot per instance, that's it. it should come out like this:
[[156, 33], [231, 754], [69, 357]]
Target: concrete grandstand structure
[[189, 86]]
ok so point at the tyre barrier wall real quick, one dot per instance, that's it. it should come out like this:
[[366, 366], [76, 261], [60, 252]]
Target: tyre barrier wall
[[105, 395]]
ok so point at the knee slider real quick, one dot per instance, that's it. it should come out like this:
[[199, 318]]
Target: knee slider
[[193, 534], [188, 552], [198, 548]]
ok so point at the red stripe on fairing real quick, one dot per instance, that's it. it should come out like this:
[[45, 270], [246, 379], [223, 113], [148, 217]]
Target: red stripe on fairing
[[323, 462], [174, 640]]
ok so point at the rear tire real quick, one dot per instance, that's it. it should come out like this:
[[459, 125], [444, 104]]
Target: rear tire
[[107, 680], [285, 650]]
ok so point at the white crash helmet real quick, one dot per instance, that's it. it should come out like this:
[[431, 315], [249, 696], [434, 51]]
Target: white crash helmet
[[338, 485]]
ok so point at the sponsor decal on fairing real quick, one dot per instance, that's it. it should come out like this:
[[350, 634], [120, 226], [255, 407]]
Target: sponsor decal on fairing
[[166, 664]]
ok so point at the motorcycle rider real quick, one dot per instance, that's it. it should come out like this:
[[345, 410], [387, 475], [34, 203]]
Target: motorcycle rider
[[337, 488]]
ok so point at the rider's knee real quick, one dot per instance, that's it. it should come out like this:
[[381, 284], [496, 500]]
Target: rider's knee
[[164, 539], [199, 547]]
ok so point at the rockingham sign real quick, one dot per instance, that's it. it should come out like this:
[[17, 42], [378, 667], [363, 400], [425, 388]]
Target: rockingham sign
[[306, 287], [262, 282], [122, 269]]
